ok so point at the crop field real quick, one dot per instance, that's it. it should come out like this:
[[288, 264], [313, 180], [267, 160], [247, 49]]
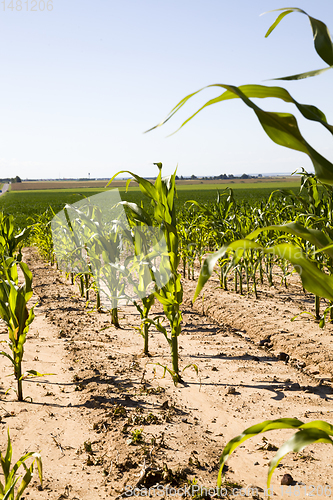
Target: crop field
[[26, 204], [148, 372], [151, 337]]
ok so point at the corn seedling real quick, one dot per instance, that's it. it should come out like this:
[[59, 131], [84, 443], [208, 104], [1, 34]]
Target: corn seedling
[[42, 236], [10, 243], [11, 480]]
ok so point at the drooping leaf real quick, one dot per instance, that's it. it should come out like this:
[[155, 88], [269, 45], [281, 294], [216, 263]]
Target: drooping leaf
[[254, 430], [314, 236], [297, 443], [321, 35], [282, 128], [317, 431], [313, 279]]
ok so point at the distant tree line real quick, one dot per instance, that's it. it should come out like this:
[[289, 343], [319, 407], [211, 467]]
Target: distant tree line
[[11, 179], [218, 177]]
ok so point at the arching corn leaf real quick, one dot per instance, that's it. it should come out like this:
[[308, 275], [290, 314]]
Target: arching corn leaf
[[146, 187], [314, 236], [314, 280], [321, 35], [319, 424], [296, 443], [281, 128], [254, 430], [207, 269]]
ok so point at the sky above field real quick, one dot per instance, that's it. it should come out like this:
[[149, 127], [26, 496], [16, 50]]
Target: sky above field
[[82, 82]]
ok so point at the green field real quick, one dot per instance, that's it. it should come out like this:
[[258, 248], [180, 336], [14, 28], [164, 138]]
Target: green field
[[27, 205]]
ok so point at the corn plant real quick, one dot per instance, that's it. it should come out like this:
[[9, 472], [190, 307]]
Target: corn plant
[[7, 489], [98, 246], [162, 195], [15, 313], [145, 275], [10, 243], [110, 250], [317, 431], [42, 236]]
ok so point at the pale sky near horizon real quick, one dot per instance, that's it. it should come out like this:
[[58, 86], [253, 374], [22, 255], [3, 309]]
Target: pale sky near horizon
[[82, 82]]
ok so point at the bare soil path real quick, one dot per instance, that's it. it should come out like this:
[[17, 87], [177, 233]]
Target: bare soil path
[[87, 419], [4, 189]]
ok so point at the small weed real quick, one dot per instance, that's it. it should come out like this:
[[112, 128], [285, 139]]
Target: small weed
[[87, 446], [136, 437], [119, 411]]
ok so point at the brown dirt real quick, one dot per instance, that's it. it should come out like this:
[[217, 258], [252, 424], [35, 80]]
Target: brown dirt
[[37, 185], [82, 417]]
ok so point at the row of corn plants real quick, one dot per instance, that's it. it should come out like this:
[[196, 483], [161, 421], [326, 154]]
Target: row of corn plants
[[15, 293], [14, 297]]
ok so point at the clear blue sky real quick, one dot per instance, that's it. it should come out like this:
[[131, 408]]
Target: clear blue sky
[[81, 83]]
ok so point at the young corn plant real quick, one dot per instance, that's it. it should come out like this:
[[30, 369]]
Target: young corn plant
[[102, 244], [10, 243], [145, 275], [162, 195], [15, 313], [11, 480], [317, 431], [42, 236]]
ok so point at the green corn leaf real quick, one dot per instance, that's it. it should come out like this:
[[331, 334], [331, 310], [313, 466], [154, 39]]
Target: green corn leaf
[[282, 128], [319, 424], [207, 269], [192, 365], [34, 373], [301, 76], [3, 353], [174, 375], [25, 482], [314, 236], [253, 91], [39, 467], [297, 443], [321, 35], [6, 461], [9, 493], [146, 187], [139, 213], [312, 278], [279, 18], [254, 430]]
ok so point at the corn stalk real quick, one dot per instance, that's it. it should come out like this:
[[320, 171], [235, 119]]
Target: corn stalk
[[162, 195], [15, 313]]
